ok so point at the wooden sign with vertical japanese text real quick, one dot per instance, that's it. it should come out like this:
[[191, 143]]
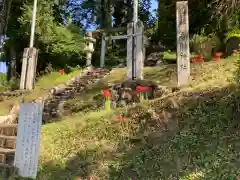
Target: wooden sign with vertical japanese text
[[183, 52], [28, 139]]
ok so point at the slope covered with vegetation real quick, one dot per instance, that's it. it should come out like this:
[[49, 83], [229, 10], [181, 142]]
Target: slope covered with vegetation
[[188, 135], [193, 134]]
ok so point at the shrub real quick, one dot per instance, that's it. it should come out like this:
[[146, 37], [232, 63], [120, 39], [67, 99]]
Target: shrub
[[233, 33], [204, 45], [4, 85], [232, 41]]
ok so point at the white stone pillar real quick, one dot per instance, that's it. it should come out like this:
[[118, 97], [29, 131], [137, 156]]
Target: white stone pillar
[[183, 52], [139, 50], [129, 50], [103, 51], [89, 48]]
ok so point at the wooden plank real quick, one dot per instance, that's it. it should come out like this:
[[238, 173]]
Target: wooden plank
[[183, 52], [28, 139]]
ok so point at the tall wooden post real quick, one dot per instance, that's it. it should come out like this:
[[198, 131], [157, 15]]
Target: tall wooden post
[[31, 71], [139, 50], [129, 50], [103, 50], [183, 52], [29, 65]]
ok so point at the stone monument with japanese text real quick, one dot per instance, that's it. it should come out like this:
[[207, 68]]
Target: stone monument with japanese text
[[183, 52], [28, 139]]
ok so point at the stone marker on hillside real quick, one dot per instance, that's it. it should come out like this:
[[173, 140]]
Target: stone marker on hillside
[[28, 139], [183, 54]]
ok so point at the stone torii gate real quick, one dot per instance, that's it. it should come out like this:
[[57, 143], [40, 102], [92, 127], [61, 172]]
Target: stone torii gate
[[135, 48]]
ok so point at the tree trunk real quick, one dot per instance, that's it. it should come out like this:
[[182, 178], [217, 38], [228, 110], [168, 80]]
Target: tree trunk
[[13, 62]]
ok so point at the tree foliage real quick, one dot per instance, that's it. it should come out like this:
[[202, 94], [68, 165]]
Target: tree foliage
[[61, 23]]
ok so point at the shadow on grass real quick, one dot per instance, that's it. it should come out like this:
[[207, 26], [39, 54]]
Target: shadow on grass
[[188, 136]]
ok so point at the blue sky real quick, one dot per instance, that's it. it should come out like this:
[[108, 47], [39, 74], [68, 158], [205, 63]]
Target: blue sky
[[154, 4], [3, 67]]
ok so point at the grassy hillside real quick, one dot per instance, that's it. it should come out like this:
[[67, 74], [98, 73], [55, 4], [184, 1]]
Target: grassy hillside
[[191, 135]]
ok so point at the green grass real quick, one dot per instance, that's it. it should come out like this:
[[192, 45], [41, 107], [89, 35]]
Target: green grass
[[197, 139], [185, 136], [43, 85], [3, 82], [222, 73], [172, 56]]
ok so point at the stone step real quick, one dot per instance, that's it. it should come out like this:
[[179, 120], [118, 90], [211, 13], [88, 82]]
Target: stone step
[[7, 151], [2, 165], [62, 97], [8, 142], [7, 156], [8, 129], [77, 86]]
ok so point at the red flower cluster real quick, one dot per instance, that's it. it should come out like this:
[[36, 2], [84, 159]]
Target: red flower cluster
[[218, 56], [236, 51], [143, 88], [106, 93], [121, 118], [61, 71], [198, 59]]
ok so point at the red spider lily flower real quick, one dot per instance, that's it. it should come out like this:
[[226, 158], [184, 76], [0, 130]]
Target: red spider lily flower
[[194, 59], [235, 51], [218, 56], [121, 118], [61, 71], [106, 93], [200, 59], [143, 88]]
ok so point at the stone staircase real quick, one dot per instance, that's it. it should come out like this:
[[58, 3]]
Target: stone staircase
[[54, 104], [53, 108], [8, 133]]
